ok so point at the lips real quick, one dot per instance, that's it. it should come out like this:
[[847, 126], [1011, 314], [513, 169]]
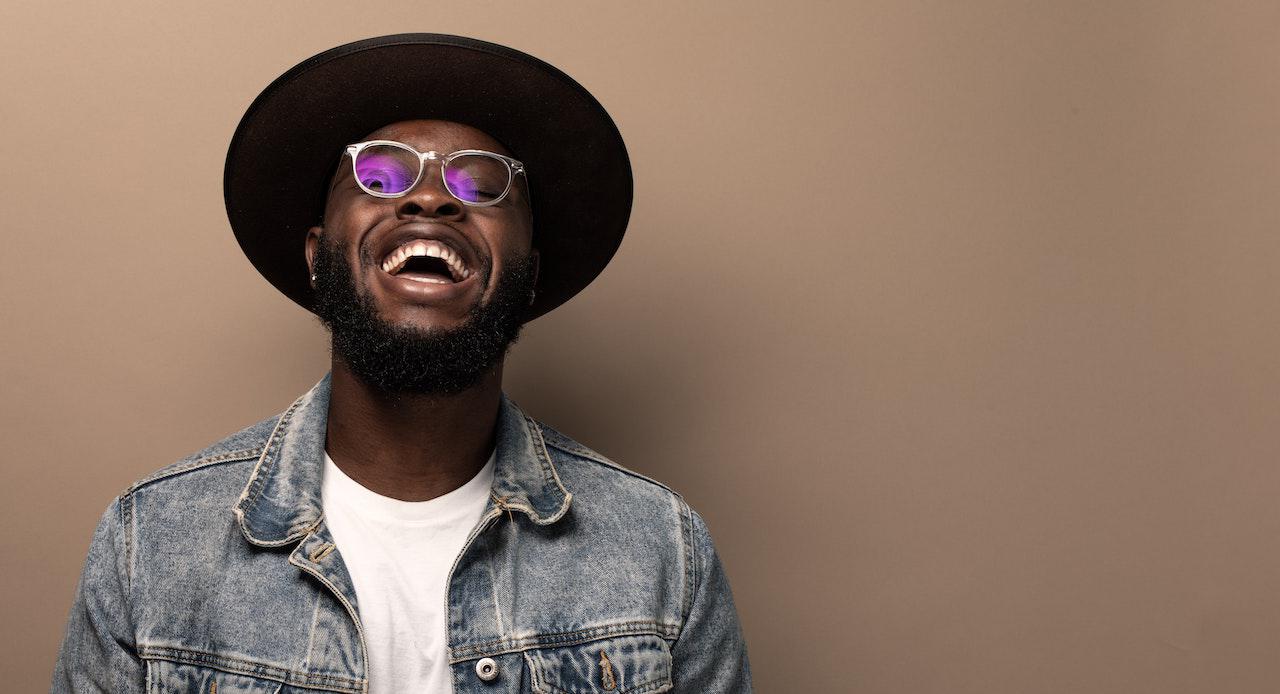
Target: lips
[[427, 252], [426, 260], [426, 264]]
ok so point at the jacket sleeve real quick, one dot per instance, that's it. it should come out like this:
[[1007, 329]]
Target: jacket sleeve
[[98, 652], [710, 655]]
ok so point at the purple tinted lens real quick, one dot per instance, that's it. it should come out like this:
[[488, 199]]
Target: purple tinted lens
[[386, 169], [477, 178]]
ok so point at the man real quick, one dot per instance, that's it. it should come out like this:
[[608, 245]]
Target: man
[[403, 527]]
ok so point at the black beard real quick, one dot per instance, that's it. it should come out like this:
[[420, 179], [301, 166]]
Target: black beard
[[398, 360]]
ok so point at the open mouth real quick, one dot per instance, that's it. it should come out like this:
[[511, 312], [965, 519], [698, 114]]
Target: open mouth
[[426, 260]]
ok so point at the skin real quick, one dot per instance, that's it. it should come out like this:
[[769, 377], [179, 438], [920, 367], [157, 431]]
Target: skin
[[419, 447]]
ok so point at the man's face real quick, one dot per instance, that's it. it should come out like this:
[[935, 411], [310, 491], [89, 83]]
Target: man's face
[[396, 331]]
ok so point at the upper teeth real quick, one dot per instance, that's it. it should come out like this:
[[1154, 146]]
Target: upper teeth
[[426, 247]]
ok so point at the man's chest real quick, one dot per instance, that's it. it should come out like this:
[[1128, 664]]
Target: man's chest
[[522, 610]]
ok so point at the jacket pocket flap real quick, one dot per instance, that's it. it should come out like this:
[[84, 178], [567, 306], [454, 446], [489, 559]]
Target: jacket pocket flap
[[618, 665]]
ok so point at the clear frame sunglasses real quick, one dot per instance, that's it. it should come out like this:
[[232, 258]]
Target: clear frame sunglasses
[[390, 169]]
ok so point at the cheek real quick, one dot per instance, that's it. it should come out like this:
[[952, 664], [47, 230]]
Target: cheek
[[507, 236], [351, 207], [526, 243], [347, 226], [522, 233]]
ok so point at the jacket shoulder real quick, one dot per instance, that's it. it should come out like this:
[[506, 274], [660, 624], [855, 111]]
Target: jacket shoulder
[[602, 465], [244, 445]]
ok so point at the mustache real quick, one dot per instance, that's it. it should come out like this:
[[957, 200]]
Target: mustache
[[402, 359]]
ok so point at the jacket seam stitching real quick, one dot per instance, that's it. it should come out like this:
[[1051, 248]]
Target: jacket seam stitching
[[653, 685], [257, 479], [561, 639], [544, 461], [267, 459], [127, 512], [126, 529], [534, 675], [691, 564], [242, 666], [295, 559], [493, 580], [229, 457], [601, 460]]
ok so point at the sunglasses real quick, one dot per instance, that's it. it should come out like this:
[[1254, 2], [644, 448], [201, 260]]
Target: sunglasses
[[389, 169]]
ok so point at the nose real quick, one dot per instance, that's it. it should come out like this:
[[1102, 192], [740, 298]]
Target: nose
[[429, 198]]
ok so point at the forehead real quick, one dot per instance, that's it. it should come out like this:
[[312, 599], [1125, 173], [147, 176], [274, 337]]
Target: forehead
[[439, 135]]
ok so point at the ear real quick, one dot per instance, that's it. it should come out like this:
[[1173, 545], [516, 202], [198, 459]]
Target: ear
[[313, 240]]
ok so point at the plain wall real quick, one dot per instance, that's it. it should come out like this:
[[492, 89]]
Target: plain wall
[[958, 321]]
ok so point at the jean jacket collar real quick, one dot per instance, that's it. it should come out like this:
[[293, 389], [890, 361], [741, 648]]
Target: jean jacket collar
[[281, 502]]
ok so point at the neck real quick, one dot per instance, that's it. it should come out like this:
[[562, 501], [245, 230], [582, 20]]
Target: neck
[[406, 446]]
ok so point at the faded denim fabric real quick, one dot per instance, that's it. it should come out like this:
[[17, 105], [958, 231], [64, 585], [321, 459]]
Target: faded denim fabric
[[218, 575]]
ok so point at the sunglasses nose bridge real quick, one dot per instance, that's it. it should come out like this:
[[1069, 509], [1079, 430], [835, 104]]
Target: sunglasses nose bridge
[[427, 196], [424, 173]]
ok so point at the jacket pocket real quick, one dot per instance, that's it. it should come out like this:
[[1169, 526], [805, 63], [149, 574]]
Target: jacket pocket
[[165, 677], [178, 670], [618, 665]]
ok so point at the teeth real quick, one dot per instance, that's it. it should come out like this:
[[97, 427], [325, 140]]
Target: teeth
[[429, 248]]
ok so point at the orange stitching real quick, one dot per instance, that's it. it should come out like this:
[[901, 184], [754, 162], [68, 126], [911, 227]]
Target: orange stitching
[[213, 686], [241, 666], [606, 673], [321, 552], [502, 504], [564, 638]]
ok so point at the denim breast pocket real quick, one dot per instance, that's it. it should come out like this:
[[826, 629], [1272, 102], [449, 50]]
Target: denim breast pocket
[[617, 665], [193, 672], [166, 677]]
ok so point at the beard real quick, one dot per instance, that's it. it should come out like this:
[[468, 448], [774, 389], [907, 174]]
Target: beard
[[399, 360]]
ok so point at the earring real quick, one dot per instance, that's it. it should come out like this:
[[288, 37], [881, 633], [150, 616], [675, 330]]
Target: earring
[[313, 277], [533, 294]]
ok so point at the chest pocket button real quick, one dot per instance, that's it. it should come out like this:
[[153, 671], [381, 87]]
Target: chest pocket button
[[487, 669]]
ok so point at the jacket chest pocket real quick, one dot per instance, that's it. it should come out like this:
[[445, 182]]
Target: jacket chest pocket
[[164, 677], [618, 665], [172, 676]]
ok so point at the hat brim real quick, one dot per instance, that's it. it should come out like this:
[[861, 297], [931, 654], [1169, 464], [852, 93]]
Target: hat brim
[[290, 139]]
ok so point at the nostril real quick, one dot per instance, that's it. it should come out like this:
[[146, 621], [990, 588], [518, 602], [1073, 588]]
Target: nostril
[[421, 207]]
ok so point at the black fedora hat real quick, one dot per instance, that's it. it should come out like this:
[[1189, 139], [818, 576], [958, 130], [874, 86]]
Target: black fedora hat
[[290, 140]]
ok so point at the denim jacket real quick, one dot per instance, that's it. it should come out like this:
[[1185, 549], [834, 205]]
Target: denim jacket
[[217, 574]]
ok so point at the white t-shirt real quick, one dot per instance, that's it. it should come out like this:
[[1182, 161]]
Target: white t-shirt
[[399, 554]]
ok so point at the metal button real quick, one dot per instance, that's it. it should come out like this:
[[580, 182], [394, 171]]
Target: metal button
[[487, 669]]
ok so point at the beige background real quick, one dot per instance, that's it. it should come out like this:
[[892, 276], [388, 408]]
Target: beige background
[[957, 321]]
